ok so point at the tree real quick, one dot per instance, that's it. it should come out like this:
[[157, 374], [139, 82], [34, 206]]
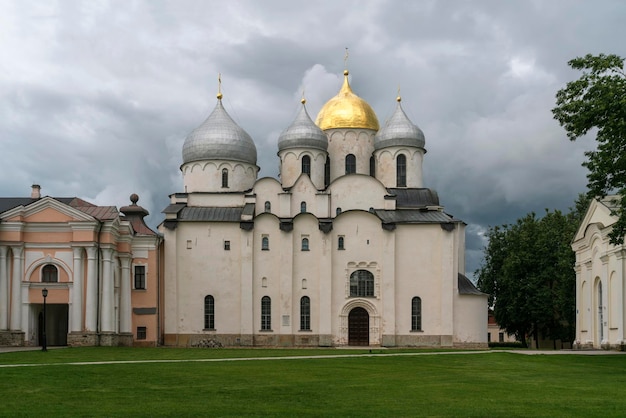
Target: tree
[[528, 273], [597, 100]]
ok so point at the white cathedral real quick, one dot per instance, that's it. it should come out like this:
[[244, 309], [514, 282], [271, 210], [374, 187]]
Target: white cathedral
[[347, 248]]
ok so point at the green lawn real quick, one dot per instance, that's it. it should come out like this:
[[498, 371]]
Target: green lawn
[[492, 384]]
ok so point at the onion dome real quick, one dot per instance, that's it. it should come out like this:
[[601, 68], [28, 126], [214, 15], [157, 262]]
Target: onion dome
[[219, 138], [399, 131], [303, 133], [347, 110]]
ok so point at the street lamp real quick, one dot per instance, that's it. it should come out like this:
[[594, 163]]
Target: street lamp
[[44, 345]]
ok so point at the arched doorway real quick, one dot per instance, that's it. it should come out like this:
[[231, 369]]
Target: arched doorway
[[358, 327]]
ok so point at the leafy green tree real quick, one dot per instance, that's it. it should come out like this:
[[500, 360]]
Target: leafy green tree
[[528, 273], [597, 100]]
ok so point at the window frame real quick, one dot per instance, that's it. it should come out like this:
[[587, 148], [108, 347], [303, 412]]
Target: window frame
[[416, 314], [305, 313], [140, 278], [49, 273], [303, 207], [306, 165], [209, 312], [266, 313], [265, 243], [224, 178], [305, 244], [401, 170], [362, 284], [341, 241], [142, 333], [350, 164]]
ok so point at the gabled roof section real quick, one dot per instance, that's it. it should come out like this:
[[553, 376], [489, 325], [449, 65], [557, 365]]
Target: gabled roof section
[[414, 216], [599, 212], [466, 287], [70, 206], [215, 214]]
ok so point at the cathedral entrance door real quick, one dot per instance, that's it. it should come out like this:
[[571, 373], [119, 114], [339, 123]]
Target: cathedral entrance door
[[358, 327]]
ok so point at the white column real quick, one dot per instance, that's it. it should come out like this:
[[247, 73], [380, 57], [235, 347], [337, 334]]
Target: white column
[[16, 289], [77, 291], [107, 306], [4, 289], [91, 301], [125, 296]]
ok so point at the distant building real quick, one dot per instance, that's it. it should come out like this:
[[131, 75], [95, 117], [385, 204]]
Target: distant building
[[100, 268], [495, 334], [600, 280], [347, 248]]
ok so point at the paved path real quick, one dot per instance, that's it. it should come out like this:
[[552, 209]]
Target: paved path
[[327, 356]]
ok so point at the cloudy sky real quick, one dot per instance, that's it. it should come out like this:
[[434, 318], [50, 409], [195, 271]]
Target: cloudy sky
[[97, 97]]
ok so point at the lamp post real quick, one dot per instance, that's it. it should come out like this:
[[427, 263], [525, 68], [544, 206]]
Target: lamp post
[[44, 345]]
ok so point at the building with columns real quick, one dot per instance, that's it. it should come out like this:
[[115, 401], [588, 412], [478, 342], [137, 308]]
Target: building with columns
[[600, 279], [100, 268], [347, 247]]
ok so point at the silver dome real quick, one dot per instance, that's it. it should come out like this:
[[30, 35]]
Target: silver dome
[[219, 138], [303, 133], [399, 131]]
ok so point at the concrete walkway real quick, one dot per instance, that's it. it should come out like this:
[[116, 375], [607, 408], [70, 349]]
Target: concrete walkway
[[326, 356]]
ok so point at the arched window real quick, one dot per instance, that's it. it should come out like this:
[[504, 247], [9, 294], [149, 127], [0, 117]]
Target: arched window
[[306, 165], [327, 172], [305, 244], [416, 314], [49, 274], [362, 283], [209, 312], [224, 177], [350, 164], [268, 206], [302, 207], [338, 211], [340, 241], [266, 313], [372, 166], [305, 313], [401, 171], [265, 243]]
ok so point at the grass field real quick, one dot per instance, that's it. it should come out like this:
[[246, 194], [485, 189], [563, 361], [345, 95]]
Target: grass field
[[485, 385]]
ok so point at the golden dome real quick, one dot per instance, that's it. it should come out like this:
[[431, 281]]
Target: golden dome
[[347, 110]]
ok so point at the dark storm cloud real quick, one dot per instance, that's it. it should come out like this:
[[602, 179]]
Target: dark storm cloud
[[96, 98]]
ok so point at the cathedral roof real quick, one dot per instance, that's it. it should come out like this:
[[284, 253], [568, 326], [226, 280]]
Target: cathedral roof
[[347, 110], [219, 138], [399, 131], [303, 133]]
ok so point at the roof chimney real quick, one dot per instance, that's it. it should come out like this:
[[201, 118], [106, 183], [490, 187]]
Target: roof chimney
[[35, 192]]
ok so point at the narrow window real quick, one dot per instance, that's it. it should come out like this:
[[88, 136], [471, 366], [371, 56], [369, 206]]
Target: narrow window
[[372, 166], [327, 172], [350, 164], [305, 313], [268, 206], [141, 333], [305, 244], [49, 274], [362, 283], [224, 177], [338, 211], [340, 243], [302, 207], [306, 165], [226, 245], [416, 314], [501, 337], [209, 312], [140, 277], [266, 313], [401, 171], [265, 243]]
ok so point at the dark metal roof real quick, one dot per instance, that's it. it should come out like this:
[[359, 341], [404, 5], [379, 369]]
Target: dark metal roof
[[8, 203], [248, 209], [98, 212], [211, 214], [414, 198], [466, 287], [174, 208], [414, 216]]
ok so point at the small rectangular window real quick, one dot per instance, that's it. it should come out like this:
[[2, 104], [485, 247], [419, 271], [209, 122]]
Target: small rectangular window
[[140, 277], [226, 245], [141, 333], [501, 337]]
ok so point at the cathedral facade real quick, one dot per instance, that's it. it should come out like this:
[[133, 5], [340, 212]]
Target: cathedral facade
[[347, 248]]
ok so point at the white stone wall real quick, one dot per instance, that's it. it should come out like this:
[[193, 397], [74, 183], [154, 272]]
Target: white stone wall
[[206, 176]]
